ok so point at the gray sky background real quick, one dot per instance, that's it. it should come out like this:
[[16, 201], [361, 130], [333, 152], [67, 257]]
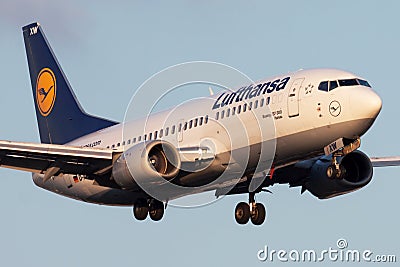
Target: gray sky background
[[109, 50]]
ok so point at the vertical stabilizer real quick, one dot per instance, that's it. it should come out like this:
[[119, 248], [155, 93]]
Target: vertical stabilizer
[[59, 115]]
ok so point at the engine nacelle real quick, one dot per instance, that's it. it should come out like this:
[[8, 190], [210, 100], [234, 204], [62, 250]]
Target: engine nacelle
[[151, 162], [357, 173]]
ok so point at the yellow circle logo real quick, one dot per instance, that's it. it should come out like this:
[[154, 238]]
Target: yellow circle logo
[[45, 91]]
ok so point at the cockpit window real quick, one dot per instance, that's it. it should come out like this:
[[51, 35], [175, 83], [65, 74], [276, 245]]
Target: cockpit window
[[363, 82], [333, 85], [323, 86], [330, 85], [348, 82]]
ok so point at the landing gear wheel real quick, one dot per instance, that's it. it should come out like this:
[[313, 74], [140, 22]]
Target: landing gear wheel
[[140, 210], [258, 214], [156, 210], [334, 172], [242, 213], [330, 171]]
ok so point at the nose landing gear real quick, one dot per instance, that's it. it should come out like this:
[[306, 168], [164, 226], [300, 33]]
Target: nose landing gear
[[253, 211], [336, 170]]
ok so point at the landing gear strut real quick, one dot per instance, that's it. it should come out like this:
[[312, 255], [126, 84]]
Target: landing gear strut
[[254, 211], [336, 170], [152, 207]]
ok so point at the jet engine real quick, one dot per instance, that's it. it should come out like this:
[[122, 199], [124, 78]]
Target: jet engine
[[148, 162], [356, 170]]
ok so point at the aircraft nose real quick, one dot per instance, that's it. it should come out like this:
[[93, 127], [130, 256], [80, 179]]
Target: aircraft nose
[[374, 104], [370, 104]]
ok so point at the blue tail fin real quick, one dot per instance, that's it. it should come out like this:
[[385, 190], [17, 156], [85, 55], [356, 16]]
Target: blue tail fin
[[59, 114]]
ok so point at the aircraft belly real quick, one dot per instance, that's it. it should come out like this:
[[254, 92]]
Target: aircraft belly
[[86, 191], [310, 143]]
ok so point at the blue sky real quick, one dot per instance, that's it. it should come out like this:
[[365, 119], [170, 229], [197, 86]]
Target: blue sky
[[108, 50]]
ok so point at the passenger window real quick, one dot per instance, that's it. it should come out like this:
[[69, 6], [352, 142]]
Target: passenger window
[[155, 135], [233, 111], [206, 119], [134, 140], [173, 129], [268, 101], [145, 137], [129, 141], [262, 102], [166, 131], [222, 114], [161, 133], [323, 86], [228, 112], [332, 85], [150, 136], [112, 146], [139, 138], [190, 124], [217, 116], [185, 126], [255, 104], [195, 122], [201, 121], [119, 144], [239, 109], [250, 105], [180, 127], [244, 107], [108, 146], [123, 143]]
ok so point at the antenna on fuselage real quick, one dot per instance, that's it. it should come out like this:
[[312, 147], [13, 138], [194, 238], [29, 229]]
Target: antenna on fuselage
[[210, 90]]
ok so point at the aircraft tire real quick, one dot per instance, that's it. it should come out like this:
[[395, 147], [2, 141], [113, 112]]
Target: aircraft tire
[[156, 210], [242, 213], [258, 214], [334, 173], [140, 210]]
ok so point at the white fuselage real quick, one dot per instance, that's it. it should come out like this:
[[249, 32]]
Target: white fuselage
[[292, 114]]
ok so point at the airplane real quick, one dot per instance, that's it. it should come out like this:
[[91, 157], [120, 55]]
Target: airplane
[[224, 144]]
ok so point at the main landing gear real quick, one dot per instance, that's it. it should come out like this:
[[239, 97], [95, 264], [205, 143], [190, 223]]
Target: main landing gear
[[254, 211], [152, 207]]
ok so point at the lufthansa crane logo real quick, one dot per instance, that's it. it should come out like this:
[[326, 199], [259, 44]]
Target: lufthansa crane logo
[[335, 108], [45, 91]]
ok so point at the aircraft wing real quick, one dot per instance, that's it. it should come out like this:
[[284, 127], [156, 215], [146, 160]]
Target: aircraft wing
[[52, 160], [385, 161]]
